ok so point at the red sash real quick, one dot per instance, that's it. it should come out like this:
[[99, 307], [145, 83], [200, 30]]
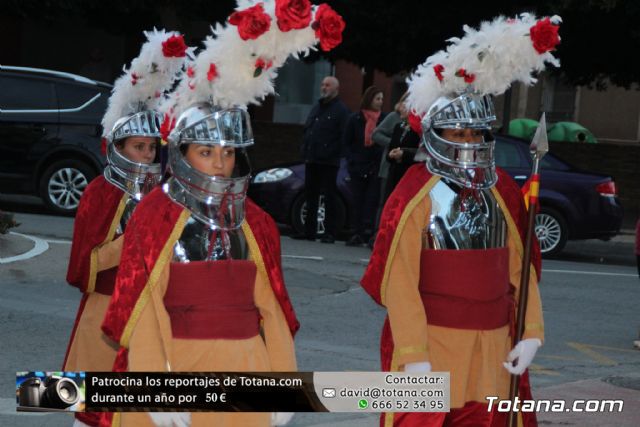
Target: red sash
[[212, 300], [466, 289]]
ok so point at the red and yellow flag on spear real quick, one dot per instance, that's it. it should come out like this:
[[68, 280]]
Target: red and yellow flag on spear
[[531, 190]]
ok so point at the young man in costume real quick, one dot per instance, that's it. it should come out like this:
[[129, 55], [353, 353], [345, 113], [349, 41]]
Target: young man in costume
[[200, 285], [131, 125], [448, 255]]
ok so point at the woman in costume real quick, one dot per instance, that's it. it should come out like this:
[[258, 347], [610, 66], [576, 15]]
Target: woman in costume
[[200, 286], [131, 126], [448, 256]]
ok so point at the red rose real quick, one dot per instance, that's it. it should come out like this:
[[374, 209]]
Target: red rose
[[167, 126], [415, 123], [212, 73], [544, 36], [468, 78], [251, 22], [328, 26], [260, 65], [293, 14], [174, 47], [190, 72], [438, 69]]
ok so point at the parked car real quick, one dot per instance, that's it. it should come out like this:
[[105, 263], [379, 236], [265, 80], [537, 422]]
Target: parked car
[[50, 134], [574, 204]]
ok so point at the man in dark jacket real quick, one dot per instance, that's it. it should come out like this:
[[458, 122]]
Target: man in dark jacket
[[321, 150]]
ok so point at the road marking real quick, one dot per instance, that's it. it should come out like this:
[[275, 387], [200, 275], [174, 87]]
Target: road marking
[[557, 357], [594, 273], [586, 349], [613, 348], [538, 369], [314, 258], [39, 247], [62, 242]]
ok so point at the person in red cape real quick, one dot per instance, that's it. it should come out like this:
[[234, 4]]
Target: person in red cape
[[132, 134], [200, 285], [448, 255]]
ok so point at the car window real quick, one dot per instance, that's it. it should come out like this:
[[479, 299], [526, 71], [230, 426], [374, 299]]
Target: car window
[[507, 155], [74, 96], [553, 163], [24, 93]]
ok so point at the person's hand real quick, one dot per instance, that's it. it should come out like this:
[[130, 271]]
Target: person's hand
[[396, 154], [281, 418], [524, 351], [171, 419], [418, 368]]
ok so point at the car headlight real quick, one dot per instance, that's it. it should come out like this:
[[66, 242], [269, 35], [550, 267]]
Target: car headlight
[[272, 175]]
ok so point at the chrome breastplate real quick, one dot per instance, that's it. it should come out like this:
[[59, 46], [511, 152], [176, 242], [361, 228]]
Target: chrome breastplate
[[129, 207], [464, 219], [199, 242]]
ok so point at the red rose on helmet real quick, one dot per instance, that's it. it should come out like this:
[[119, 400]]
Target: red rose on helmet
[[328, 26], [468, 78], [438, 69], [293, 14], [544, 36], [168, 123], [415, 123], [213, 72], [174, 47], [251, 22]]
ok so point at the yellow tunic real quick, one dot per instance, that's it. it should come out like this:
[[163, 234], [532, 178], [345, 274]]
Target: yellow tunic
[[152, 348], [473, 357], [90, 349]]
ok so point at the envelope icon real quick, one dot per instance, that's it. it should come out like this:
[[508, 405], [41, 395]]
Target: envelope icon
[[328, 392]]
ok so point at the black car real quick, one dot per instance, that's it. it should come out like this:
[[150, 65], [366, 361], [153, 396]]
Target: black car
[[50, 134], [574, 204]]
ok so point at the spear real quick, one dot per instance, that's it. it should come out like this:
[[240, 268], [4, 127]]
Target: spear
[[538, 148]]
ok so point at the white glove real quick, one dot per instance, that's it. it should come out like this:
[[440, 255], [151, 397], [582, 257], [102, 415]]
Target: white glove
[[281, 418], [418, 367], [524, 351], [171, 419]]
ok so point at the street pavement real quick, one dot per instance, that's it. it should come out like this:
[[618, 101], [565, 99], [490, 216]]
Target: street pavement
[[590, 296]]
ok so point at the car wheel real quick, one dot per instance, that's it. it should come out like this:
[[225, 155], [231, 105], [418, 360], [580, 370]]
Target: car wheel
[[551, 231], [62, 185], [299, 215]]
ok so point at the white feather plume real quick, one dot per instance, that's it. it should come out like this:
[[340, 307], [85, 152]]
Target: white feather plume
[[236, 82], [142, 85], [497, 54]]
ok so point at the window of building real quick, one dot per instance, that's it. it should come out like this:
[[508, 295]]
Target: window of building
[[297, 89]]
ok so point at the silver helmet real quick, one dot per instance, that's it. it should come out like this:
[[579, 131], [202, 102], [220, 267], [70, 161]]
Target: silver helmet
[[135, 178], [469, 164], [214, 200]]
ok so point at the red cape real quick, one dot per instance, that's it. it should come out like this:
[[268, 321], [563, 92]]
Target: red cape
[[150, 236], [414, 180], [93, 223]]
